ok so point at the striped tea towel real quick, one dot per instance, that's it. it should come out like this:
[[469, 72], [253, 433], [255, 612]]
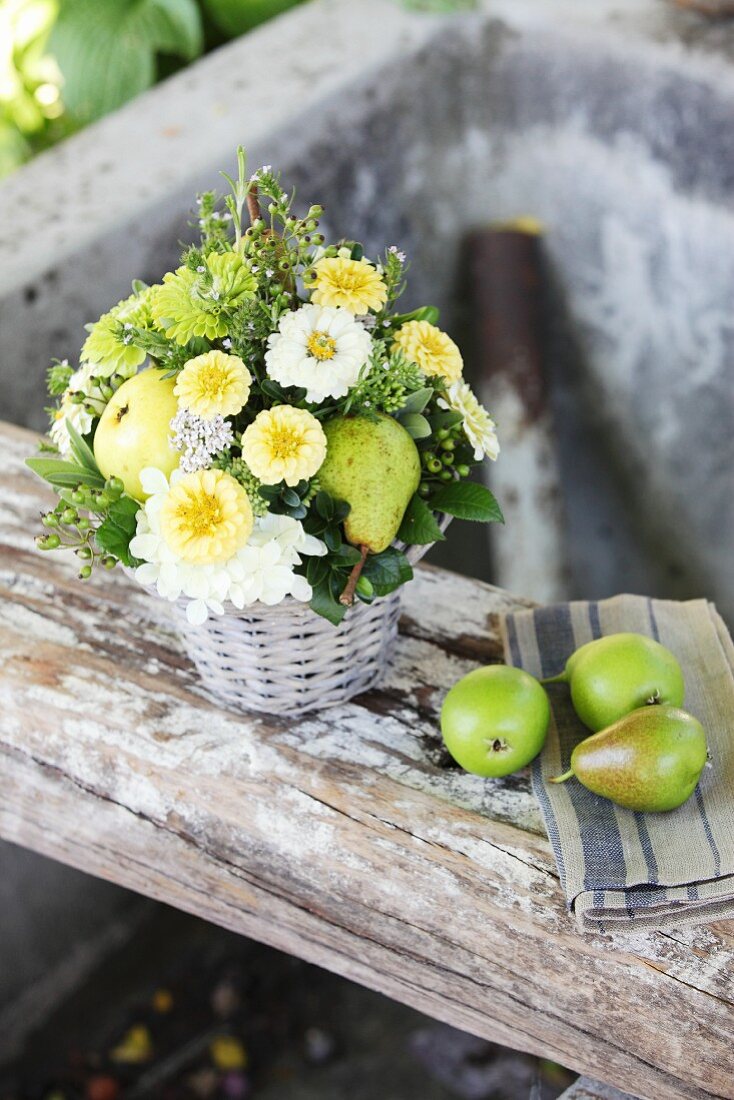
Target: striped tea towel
[[622, 870]]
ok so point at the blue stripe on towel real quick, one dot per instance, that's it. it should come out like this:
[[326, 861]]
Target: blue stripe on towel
[[701, 805], [538, 786], [601, 842]]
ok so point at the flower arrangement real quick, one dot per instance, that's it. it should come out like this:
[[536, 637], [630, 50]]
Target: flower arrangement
[[263, 424]]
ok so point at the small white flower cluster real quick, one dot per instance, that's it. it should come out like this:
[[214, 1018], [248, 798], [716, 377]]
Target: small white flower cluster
[[199, 439], [397, 253], [262, 570], [74, 411]]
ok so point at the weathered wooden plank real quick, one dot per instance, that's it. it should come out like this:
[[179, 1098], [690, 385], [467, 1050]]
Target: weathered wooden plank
[[340, 838], [586, 1089]]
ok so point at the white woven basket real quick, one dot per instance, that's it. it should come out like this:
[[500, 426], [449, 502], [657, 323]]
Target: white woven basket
[[286, 660]]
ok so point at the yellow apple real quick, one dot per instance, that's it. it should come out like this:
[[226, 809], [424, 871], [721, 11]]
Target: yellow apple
[[134, 430]]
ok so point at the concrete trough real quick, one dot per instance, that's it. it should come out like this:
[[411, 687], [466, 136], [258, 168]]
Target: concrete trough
[[612, 122]]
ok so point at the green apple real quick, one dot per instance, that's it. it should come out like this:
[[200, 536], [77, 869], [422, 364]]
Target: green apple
[[494, 721], [134, 430]]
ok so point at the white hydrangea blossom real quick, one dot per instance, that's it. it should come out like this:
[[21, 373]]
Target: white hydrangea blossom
[[320, 348], [199, 439], [262, 570]]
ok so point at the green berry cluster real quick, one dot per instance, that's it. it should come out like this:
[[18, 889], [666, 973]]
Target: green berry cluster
[[241, 472], [386, 387], [440, 461], [71, 527]]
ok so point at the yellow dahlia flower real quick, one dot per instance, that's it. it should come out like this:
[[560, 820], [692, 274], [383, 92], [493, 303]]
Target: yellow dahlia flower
[[206, 517], [284, 444], [213, 384], [353, 284], [430, 349]]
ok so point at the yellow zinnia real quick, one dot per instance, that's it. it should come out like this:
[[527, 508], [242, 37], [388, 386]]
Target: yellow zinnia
[[284, 444], [206, 517], [353, 284], [213, 383], [430, 349]]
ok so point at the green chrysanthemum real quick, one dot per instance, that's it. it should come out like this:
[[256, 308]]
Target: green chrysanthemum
[[198, 303], [107, 346]]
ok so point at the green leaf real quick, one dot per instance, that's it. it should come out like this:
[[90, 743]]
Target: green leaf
[[346, 555], [425, 313], [235, 17], [317, 570], [416, 425], [81, 451], [324, 504], [324, 604], [467, 500], [114, 535], [387, 570], [332, 538], [445, 419], [417, 401], [60, 473], [419, 524], [106, 49]]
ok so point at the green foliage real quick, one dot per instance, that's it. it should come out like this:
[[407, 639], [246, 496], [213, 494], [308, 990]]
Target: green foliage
[[467, 500], [392, 386], [118, 528], [234, 17], [30, 106], [106, 49], [63, 474], [58, 377], [419, 526], [387, 570], [64, 63], [286, 500]]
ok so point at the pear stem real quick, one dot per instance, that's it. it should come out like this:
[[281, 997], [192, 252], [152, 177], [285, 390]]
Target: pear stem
[[347, 596], [561, 678], [561, 778]]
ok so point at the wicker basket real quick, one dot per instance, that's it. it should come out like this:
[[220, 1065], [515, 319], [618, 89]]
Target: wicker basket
[[286, 660]]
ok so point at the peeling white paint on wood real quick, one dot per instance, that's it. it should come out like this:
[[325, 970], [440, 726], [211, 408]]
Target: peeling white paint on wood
[[340, 838]]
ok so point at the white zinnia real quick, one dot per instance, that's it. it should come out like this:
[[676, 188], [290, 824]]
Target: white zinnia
[[262, 570], [79, 417], [319, 348], [478, 425]]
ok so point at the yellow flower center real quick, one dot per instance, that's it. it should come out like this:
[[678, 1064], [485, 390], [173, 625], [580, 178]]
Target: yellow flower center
[[206, 517], [321, 345], [199, 513], [212, 381], [284, 441]]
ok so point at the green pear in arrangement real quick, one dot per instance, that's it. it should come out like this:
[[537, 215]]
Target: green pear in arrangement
[[134, 430], [618, 673], [373, 464], [650, 760]]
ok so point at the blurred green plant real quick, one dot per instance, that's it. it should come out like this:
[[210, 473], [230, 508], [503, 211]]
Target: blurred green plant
[[65, 63]]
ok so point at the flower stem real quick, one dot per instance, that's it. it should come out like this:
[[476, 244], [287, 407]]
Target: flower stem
[[347, 596], [253, 203]]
